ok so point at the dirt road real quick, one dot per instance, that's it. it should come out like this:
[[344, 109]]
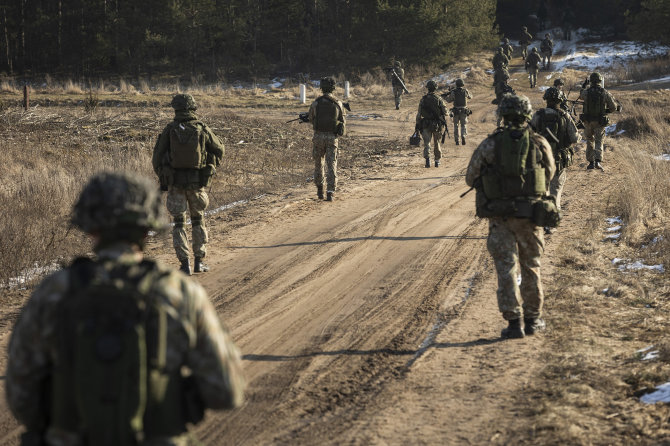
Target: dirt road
[[369, 320]]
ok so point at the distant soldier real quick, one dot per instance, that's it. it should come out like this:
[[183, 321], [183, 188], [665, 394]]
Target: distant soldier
[[119, 349], [511, 170], [598, 103], [547, 48], [397, 82], [185, 159], [525, 40], [500, 60], [431, 121], [533, 66], [558, 84], [508, 49], [328, 120], [558, 128], [459, 96]]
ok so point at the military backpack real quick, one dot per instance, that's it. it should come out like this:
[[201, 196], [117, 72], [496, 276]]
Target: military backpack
[[431, 113], [553, 125], [460, 97], [328, 112], [187, 148], [595, 107]]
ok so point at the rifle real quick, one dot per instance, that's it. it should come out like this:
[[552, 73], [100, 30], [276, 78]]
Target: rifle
[[302, 117], [394, 74], [446, 129]]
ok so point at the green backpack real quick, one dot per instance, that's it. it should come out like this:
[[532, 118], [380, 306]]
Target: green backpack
[[555, 122], [594, 105], [327, 114], [186, 148], [109, 382]]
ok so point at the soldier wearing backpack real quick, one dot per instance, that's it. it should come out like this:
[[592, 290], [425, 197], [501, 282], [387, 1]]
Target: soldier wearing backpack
[[185, 159], [558, 128], [328, 120], [459, 96], [508, 49], [431, 121], [524, 41], [118, 349], [533, 66], [511, 171], [500, 60], [598, 103], [547, 48]]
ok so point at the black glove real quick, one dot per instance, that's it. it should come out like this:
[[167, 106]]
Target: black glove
[[618, 107], [586, 82]]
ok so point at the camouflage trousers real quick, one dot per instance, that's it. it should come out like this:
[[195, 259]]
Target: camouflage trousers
[[462, 120], [195, 201], [397, 94], [532, 76], [436, 137], [594, 134], [556, 186], [517, 244], [524, 49], [325, 148], [546, 58]]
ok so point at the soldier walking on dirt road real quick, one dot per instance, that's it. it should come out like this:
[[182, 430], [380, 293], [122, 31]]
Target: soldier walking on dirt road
[[185, 159], [397, 74], [459, 96], [431, 121], [328, 120], [119, 349], [524, 41], [511, 170], [598, 103], [533, 66]]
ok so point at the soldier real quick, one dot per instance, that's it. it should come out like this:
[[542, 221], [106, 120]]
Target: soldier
[[511, 170], [397, 82], [185, 159], [501, 89], [459, 96], [500, 60], [327, 116], [533, 66], [507, 48], [547, 47], [118, 337], [558, 84], [598, 102], [558, 128], [431, 121], [526, 39]]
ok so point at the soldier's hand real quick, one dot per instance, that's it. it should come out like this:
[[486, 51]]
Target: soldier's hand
[[618, 107]]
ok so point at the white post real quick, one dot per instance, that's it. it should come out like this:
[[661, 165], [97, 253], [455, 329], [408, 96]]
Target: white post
[[303, 94], [346, 89]]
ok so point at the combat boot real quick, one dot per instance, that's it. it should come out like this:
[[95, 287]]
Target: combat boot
[[456, 140], [532, 326], [319, 192], [329, 196], [437, 163], [463, 140], [513, 330], [591, 166], [185, 267], [427, 163], [397, 107], [599, 166], [199, 266]]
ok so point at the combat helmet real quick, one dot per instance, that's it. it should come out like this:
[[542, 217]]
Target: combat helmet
[[552, 95], [512, 105], [397, 64], [506, 41], [183, 101], [558, 82], [327, 84], [534, 50], [523, 28], [119, 206], [596, 78], [459, 82], [547, 35], [431, 85]]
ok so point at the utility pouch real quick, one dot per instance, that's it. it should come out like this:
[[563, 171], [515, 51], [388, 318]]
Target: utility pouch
[[166, 177], [545, 212], [604, 120], [206, 175], [194, 407]]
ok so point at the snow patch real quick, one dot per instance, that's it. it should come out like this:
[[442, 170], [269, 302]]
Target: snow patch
[[614, 220], [33, 273], [638, 265], [661, 395], [663, 157], [614, 228]]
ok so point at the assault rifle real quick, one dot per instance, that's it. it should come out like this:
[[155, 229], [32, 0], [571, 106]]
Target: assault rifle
[[391, 70], [302, 117]]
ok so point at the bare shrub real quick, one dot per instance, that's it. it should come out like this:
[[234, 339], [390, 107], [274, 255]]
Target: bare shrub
[[70, 87]]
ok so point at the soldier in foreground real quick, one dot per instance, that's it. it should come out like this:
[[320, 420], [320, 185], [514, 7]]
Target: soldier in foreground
[[185, 159], [397, 82], [598, 103], [511, 170], [431, 121], [547, 48], [327, 116], [533, 66], [459, 96], [524, 41], [558, 128], [119, 350]]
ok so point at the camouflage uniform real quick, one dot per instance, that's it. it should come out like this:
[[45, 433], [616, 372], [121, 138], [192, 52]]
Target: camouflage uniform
[[526, 39], [325, 144], [431, 123], [196, 339], [516, 244], [547, 47], [188, 194], [533, 66], [395, 83], [508, 49], [594, 129], [500, 60], [460, 111]]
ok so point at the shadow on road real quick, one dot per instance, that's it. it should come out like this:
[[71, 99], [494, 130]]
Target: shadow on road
[[370, 237]]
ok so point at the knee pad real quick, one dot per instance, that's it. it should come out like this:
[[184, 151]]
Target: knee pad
[[179, 222]]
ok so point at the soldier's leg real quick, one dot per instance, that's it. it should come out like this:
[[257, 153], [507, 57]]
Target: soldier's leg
[[456, 120], [464, 124], [197, 203], [530, 241], [437, 136], [589, 137], [331, 164], [427, 135], [319, 155], [556, 186], [397, 94], [177, 205], [502, 246], [599, 137]]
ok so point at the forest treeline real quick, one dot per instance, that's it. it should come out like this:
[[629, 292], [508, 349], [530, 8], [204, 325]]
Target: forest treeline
[[231, 39]]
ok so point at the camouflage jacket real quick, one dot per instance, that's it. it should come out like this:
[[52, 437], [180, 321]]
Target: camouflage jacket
[[567, 135], [500, 60], [451, 95], [533, 61], [610, 102], [547, 45], [526, 38], [485, 155], [213, 144], [401, 74], [508, 49], [426, 113], [341, 114], [196, 339]]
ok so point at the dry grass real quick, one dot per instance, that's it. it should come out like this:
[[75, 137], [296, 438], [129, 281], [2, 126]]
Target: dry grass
[[640, 71]]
